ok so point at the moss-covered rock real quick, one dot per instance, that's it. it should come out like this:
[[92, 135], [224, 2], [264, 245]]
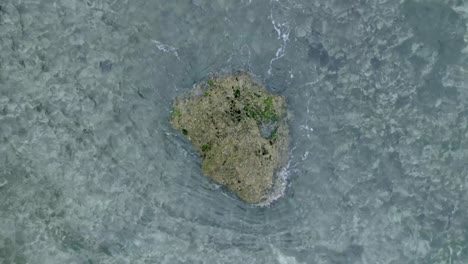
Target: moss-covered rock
[[240, 131]]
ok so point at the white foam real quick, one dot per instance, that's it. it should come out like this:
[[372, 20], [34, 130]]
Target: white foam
[[166, 48], [282, 258], [463, 11], [279, 186], [5, 182], [283, 30]]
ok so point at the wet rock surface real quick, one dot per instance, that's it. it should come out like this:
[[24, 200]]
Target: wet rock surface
[[240, 131]]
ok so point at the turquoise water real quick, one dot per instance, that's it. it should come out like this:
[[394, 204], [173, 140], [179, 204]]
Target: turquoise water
[[92, 172]]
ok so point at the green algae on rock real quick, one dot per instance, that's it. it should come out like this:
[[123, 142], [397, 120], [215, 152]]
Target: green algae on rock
[[240, 131]]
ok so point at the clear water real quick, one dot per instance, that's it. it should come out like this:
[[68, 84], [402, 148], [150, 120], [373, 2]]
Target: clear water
[[92, 172]]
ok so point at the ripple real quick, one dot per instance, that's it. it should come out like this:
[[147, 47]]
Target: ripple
[[205, 205]]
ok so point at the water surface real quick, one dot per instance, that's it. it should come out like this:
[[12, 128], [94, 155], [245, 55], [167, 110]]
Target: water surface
[[92, 172]]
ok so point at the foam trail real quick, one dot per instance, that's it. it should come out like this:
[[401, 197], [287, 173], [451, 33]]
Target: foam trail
[[279, 186], [166, 48], [283, 30]]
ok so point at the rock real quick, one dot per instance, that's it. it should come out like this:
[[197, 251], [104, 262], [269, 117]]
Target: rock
[[240, 131]]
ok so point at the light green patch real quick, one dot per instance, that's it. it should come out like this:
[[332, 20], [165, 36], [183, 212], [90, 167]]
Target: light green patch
[[206, 147], [268, 102], [273, 136], [262, 114], [210, 82], [176, 113]]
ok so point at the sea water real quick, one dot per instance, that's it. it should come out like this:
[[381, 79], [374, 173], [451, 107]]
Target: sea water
[[92, 172]]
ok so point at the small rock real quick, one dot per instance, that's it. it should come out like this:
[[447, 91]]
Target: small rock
[[240, 131]]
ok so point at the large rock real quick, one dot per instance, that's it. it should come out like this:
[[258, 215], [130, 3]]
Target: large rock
[[240, 131]]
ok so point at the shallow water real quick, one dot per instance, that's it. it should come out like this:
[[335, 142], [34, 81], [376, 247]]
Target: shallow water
[[92, 172]]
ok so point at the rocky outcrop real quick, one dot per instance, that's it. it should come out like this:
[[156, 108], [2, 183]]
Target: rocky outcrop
[[240, 131]]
